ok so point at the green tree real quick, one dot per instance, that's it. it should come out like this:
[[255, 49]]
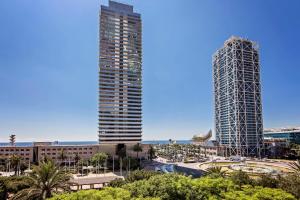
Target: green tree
[[266, 180], [151, 152], [140, 175], [178, 187], [163, 186], [212, 187], [119, 182], [121, 152], [12, 140], [62, 156], [23, 166], [3, 190], [137, 148], [216, 172], [76, 158], [15, 162], [46, 179], [258, 193], [13, 184], [104, 194], [240, 178], [99, 158], [271, 194], [290, 183], [134, 164]]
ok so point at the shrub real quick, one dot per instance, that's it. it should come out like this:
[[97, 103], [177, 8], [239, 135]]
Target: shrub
[[241, 178], [117, 183], [291, 184], [258, 193], [105, 194], [178, 187], [3, 189], [266, 180], [140, 175]]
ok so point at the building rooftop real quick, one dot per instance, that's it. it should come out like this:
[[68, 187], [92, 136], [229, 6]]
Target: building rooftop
[[282, 130], [120, 8]]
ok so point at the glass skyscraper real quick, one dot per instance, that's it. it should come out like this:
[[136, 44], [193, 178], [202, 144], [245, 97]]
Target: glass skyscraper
[[237, 95], [120, 69]]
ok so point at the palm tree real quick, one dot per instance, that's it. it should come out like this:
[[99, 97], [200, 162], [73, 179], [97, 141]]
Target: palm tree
[[45, 180], [215, 172], [121, 152], [151, 152], [76, 158], [62, 156], [22, 167], [137, 148], [295, 167], [15, 162]]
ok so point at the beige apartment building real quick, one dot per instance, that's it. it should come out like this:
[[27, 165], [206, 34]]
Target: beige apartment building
[[55, 151], [26, 153], [39, 150]]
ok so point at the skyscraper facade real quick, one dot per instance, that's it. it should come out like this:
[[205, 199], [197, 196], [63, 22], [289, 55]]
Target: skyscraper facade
[[237, 95], [120, 75]]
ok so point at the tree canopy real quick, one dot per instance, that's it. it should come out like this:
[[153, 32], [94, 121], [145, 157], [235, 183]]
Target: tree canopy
[[105, 194], [99, 158], [179, 187]]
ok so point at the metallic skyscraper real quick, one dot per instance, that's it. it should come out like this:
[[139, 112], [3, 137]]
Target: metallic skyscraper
[[120, 81], [237, 94]]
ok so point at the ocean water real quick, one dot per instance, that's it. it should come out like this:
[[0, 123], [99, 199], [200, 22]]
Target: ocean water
[[26, 144]]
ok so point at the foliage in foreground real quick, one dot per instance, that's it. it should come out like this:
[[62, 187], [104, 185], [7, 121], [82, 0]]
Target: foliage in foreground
[[134, 176], [12, 185], [291, 184], [45, 180], [215, 172], [105, 194], [178, 187]]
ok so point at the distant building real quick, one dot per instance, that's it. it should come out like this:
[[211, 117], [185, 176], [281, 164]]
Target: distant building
[[275, 147], [120, 75], [290, 135], [40, 150], [237, 95], [26, 153]]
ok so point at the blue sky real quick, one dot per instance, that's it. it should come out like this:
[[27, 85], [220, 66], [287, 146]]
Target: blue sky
[[49, 64]]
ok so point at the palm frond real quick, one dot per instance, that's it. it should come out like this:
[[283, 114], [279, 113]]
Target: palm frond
[[28, 194], [295, 167]]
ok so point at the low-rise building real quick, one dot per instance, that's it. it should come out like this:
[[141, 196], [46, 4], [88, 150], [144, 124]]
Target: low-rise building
[[291, 135], [26, 153], [65, 153]]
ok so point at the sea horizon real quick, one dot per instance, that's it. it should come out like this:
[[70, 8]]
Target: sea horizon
[[26, 144]]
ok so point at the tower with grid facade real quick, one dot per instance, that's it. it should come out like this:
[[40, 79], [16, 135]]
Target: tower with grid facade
[[237, 96]]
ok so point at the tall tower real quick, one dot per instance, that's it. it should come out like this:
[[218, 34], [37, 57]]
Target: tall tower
[[237, 94], [120, 75]]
